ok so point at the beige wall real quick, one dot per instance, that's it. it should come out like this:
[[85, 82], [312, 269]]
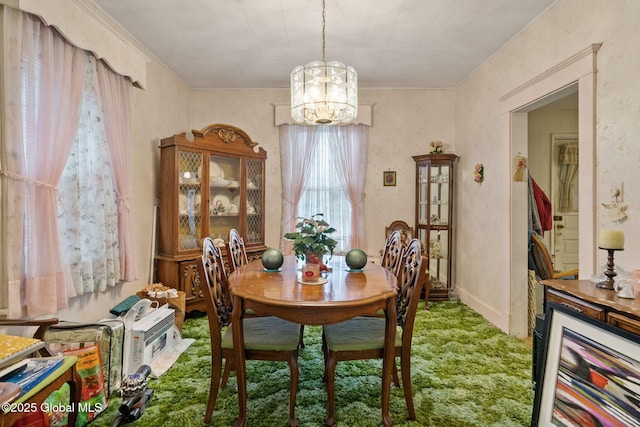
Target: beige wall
[[484, 248], [392, 142], [542, 125]]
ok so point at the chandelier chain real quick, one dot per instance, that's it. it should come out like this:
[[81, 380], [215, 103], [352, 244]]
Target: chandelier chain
[[324, 93], [323, 30]]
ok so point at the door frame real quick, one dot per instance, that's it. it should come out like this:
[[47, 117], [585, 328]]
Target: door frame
[[579, 70]]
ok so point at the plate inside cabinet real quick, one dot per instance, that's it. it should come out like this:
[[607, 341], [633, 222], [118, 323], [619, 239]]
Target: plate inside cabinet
[[215, 171]]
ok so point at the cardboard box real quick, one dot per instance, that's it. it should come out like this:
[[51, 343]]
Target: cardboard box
[[178, 304]]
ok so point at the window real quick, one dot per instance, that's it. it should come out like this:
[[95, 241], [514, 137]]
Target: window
[[88, 216], [324, 171], [65, 216], [323, 192]]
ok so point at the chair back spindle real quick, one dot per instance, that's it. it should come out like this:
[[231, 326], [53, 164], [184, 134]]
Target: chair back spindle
[[410, 282], [215, 286], [392, 254], [236, 250]]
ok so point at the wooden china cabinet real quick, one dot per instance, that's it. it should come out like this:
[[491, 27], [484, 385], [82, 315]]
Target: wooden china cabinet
[[434, 218], [209, 183]]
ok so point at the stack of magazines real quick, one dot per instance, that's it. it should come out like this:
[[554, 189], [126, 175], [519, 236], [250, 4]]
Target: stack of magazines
[[30, 372]]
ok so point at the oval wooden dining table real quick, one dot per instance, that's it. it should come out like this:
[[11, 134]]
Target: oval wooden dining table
[[345, 295]]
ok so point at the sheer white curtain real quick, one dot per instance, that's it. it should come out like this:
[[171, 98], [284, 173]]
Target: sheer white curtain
[[350, 143], [568, 160], [296, 150], [324, 171], [43, 122], [115, 94], [88, 217]]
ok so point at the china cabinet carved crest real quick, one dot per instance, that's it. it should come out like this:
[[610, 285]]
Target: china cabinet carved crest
[[434, 218], [210, 183]]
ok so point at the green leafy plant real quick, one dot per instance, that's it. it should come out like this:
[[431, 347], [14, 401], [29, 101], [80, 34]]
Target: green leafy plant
[[312, 237]]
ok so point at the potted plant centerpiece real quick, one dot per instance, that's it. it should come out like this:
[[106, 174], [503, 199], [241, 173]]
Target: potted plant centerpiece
[[312, 241]]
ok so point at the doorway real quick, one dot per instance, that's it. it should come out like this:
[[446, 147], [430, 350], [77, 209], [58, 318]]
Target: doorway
[[553, 163], [553, 145], [575, 73]]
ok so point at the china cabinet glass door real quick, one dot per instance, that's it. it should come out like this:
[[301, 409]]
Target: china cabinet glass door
[[255, 196], [438, 226], [189, 199], [224, 196]]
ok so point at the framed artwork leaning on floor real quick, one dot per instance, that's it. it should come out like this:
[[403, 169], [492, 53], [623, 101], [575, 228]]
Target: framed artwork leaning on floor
[[590, 373]]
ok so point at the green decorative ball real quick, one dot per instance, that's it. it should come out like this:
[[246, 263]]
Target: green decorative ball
[[272, 259], [356, 259]]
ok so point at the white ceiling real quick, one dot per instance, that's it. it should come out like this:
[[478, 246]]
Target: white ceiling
[[390, 43]]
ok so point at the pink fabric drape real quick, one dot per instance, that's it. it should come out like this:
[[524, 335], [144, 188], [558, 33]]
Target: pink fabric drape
[[12, 201], [350, 146], [296, 149], [52, 110], [115, 97]]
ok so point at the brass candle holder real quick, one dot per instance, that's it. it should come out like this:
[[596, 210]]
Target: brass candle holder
[[610, 273]]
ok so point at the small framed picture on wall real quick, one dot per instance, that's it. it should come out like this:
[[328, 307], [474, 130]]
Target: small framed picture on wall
[[389, 178]]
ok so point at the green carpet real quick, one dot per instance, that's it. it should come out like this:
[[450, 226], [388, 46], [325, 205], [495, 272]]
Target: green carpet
[[465, 372]]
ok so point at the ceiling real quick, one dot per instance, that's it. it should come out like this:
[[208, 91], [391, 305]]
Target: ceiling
[[390, 43]]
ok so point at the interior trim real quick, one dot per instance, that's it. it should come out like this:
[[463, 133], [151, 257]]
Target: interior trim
[[86, 26], [282, 115]]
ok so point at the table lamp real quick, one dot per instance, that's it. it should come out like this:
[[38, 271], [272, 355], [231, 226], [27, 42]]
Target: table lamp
[[611, 241]]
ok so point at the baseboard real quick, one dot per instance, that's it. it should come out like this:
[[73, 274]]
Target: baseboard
[[499, 319]]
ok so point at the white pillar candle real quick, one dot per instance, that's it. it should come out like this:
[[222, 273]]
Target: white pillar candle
[[611, 239]]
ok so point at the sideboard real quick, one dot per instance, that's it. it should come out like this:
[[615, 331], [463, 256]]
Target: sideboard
[[583, 296]]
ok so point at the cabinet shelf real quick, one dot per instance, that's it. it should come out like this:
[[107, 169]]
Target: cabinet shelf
[[444, 227]]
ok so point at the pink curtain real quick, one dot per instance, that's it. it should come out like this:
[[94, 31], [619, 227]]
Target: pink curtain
[[51, 113], [350, 145], [115, 96], [296, 149]]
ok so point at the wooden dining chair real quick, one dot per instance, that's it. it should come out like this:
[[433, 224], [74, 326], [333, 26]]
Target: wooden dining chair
[[541, 262], [363, 337], [392, 253], [265, 338], [236, 250], [406, 231]]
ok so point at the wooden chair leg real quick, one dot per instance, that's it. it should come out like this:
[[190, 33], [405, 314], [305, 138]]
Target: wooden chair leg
[[396, 379], [301, 343], [405, 361], [216, 368], [228, 367], [325, 354], [330, 371], [293, 387]]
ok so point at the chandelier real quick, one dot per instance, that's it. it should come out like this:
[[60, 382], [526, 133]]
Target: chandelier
[[324, 93]]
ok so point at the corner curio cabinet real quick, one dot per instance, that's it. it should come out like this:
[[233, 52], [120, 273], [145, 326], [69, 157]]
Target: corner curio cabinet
[[209, 183], [434, 218]]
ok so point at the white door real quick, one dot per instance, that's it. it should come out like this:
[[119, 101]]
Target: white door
[[565, 233]]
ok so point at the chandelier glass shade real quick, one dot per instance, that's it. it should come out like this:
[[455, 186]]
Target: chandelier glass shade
[[324, 93]]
